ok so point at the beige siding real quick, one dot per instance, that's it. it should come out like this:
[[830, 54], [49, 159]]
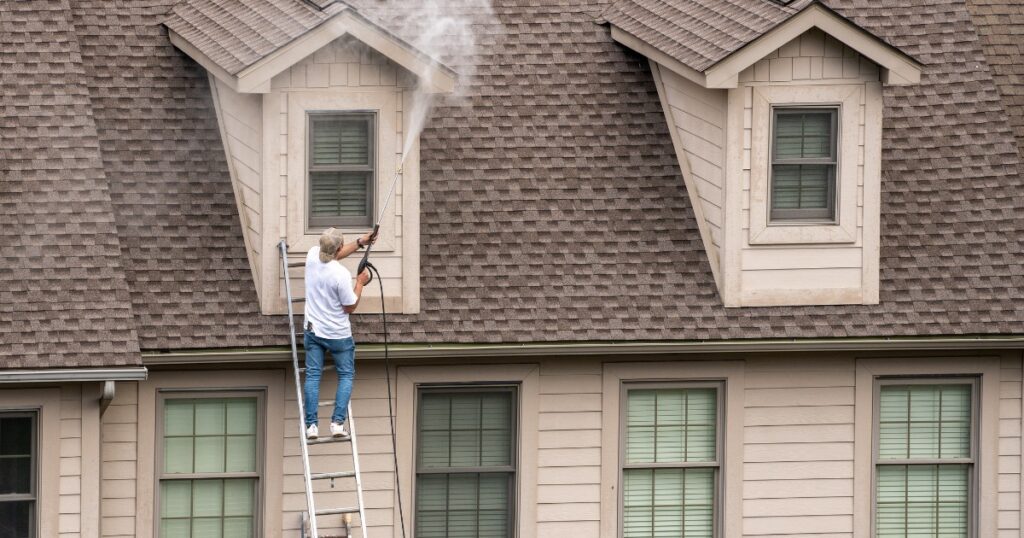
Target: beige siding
[[698, 116], [797, 444], [338, 76], [240, 117], [118, 430], [569, 450], [796, 270], [798, 435]]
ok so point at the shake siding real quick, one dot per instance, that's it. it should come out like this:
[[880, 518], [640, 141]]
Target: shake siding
[[569, 450], [118, 433]]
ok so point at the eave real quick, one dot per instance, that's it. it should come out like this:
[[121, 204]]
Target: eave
[[897, 67], [255, 78]]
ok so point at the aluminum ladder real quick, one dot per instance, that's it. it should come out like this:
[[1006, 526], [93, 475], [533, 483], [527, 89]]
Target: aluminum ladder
[[309, 517]]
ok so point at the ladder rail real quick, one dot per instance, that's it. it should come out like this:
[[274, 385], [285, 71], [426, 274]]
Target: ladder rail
[[355, 468], [310, 505]]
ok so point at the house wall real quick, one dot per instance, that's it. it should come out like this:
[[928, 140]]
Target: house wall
[[804, 264], [793, 446]]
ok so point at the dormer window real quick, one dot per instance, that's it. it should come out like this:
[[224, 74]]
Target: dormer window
[[804, 164], [342, 171]]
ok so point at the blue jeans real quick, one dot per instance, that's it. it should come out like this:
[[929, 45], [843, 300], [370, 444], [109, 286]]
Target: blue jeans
[[343, 350]]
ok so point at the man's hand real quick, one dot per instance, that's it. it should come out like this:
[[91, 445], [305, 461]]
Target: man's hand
[[368, 238], [363, 278]]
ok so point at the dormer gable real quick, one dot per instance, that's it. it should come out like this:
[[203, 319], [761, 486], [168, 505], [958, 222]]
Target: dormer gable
[[777, 127], [247, 47], [319, 109]]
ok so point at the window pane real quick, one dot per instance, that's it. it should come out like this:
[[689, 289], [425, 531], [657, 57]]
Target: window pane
[[805, 134], [210, 454], [241, 417], [241, 454], [16, 466], [16, 436], [207, 507], [178, 416], [15, 519], [465, 429], [178, 452], [802, 186], [468, 505], [339, 140], [922, 500], [210, 417], [339, 194], [671, 425], [668, 502], [924, 421]]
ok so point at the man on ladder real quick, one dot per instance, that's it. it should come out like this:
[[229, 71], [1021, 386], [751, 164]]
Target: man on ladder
[[330, 298]]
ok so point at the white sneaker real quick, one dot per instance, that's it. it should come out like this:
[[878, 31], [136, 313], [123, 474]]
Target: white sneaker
[[339, 430], [312, 432]]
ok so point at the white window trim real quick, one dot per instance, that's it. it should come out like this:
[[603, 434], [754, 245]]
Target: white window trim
[[986, 369], [147, 483], [730, 374], [527, 376], [46, 403], [848, 99], [384, 102]]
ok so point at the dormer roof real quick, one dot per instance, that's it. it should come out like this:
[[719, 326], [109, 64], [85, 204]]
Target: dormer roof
[[711, 41], [246, 42]]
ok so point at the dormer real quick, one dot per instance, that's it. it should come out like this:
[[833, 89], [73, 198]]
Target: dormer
[[777, 126], [313, 102]]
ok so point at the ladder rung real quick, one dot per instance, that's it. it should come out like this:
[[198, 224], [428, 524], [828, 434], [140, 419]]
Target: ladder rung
[[328, 403], [296, 264], [298, 299], [328, 439], [332, 511], [324, 476]]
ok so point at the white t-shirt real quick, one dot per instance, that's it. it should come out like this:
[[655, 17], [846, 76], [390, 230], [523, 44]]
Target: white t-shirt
[[328, 291]]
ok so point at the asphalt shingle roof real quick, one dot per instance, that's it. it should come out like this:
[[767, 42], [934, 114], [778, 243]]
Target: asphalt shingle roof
[[63, 293], [552, 206]]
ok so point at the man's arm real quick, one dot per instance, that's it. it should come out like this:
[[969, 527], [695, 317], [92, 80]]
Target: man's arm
[[348, 248], [361, 281]]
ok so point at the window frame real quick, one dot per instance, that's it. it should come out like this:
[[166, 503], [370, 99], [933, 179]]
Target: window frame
[[33, 495], [162, 395], [319, 223], [516, 390], [828, 215], [717, 465], [974, 381]]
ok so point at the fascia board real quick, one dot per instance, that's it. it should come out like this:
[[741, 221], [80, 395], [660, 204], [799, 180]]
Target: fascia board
[[907, 70], [203, 60], [256, 78], [630, 41]]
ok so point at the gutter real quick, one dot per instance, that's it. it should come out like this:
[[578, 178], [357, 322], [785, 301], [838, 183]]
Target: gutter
[[53, 375], [448, 351]]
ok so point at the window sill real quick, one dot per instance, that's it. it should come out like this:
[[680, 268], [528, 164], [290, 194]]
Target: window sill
[[803, 233]]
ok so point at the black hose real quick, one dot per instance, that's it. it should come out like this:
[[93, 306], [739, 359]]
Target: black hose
[[391, 411]]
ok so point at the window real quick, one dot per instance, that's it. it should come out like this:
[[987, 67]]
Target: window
[[924, 459], [342, 169], [670, 467], [209, 470], [466, 463], [803, 163], [17, 474]]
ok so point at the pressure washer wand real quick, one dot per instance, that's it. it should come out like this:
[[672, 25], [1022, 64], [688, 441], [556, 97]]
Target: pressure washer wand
[[376, 227]]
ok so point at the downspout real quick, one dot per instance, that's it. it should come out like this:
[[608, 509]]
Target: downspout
[[107, 395]]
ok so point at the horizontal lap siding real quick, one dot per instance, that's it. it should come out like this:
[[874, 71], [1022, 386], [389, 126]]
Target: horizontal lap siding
[[569, 450], [798, 448], [1009, 501]]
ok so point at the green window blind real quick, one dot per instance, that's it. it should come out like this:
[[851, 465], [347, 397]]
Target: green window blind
[[919, 427], [803, 163], [216, 439], [341, 168], [17, 474], [664, 427], [465, 464]]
